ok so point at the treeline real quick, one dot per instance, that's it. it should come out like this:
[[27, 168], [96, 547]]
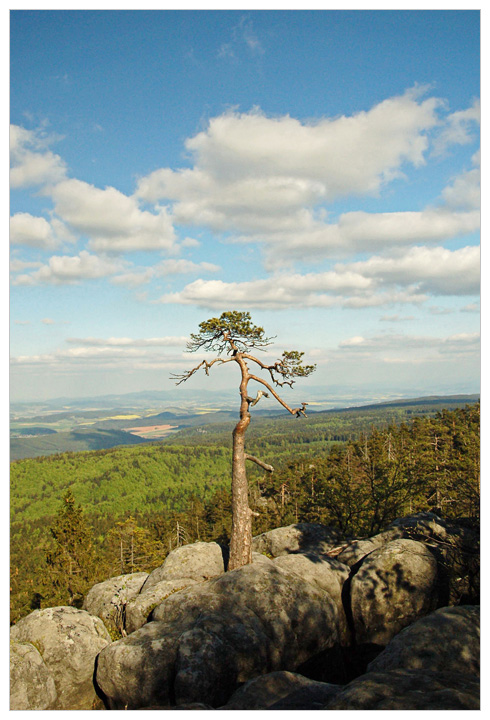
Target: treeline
[[123, 510]]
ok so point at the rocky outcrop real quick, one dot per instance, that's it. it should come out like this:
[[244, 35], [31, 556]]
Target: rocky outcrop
[[198, 561], [108, 599], [267, 691], [31, 684], [299, 538], [408, 690], [206, 639], [393, 587], [323, 572], [140, 607], [447, 640], [315, 622], [68, 641], [456, 548]]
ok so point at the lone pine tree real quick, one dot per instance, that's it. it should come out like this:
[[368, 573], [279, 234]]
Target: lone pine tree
[[233, 334]]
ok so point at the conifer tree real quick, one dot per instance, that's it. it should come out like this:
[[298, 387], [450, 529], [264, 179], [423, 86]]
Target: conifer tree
[[71, 558], [234, 335]]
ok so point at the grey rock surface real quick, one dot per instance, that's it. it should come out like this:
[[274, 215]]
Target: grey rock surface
[[408, 690], [68, 641], [210, 637], [394, 586], [264, 691], [298, 538], [140, 607], [328, 574], [198, 561], [107, 600], [31, 684], [447, 640]]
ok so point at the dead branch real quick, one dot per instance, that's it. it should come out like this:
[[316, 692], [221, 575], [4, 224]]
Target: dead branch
[[205, 364], [261, 464]]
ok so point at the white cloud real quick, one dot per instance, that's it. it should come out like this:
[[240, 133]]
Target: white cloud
[[17, 265], [268, 180], [61, 270], [404, 348], [298, 291], [140, 276], [113, 221], [404, 278], [458, 129], [25, 229], [437, 271], [464, 192], [129, 342], [32, 163], [324, 160]]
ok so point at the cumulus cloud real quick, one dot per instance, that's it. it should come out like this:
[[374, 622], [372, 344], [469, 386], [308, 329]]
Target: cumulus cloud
[[458, 129], [112, 221], [404, 278], [464, 192], [62, 270], [400, 347], [436, 271], [26, 229], [269, 179], [141, 276], [129, 342], [246, 162], [32, 163]]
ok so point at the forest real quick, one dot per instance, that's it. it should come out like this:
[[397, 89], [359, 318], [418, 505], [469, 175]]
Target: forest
[[80, 518]]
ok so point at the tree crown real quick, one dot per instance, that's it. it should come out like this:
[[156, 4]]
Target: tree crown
[[233, 330]]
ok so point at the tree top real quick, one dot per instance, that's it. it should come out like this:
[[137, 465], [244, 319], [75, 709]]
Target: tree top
[[232, 331]]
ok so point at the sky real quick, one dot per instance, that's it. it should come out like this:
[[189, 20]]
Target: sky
[[319, 169]]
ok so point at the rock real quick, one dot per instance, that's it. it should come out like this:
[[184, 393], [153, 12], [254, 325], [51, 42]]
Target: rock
[[456, 548], [108, 599], [68, 641], [324, 572], [264, 691], [394, 586], [408, 690], [140, 607], [210, 637], [358, 549], [447, 640], [302, 538], [31, 684], [198, 561], [311, 697]]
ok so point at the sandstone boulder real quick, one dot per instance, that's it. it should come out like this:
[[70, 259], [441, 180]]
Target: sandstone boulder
[[455, 547], [108, 599], [264, 691], [408, 690], [324, 572], [208, 638], [198, 561], [298, 538], [31, 684], [394, 586], [139, 608], [447, 640], [68, 641]]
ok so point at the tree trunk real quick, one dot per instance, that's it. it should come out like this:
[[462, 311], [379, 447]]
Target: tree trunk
[[241, 528]]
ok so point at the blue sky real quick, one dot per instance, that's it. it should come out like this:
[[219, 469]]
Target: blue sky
[[319, 169]]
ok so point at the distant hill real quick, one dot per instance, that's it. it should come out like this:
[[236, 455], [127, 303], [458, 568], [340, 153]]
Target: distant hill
[[269, 425], [74, 441]]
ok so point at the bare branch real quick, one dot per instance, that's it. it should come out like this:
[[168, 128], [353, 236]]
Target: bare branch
[[253, 401], [205, 364], [293, 411], [263, 465]]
